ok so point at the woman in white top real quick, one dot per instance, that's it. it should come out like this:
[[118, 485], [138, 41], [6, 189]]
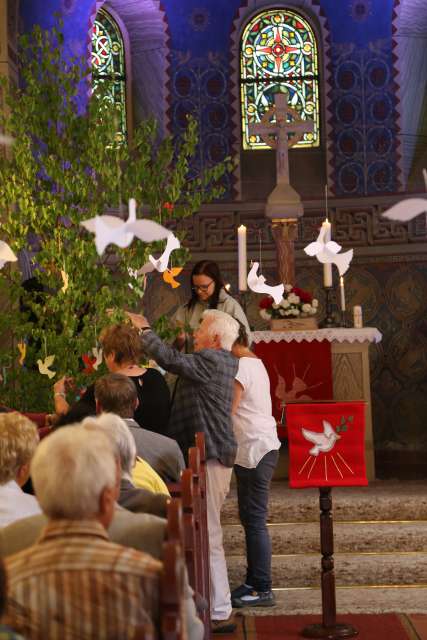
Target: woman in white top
[[207, 292], [257, 455]]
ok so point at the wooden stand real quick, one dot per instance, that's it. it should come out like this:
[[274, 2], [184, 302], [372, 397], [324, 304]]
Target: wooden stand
[[329, 627]]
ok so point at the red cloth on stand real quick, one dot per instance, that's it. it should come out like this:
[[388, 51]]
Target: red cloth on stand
[[326, 444], [298, 372]]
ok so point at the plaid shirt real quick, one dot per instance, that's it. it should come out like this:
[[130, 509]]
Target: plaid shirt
[[74, 583], [203, 397]]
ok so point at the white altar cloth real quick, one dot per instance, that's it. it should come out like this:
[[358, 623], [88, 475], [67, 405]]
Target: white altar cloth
[[337, 334]]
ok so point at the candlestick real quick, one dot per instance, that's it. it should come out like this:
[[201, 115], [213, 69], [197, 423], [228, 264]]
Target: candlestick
[[327, 267], [241, 245], [329, 321], [342, 293]]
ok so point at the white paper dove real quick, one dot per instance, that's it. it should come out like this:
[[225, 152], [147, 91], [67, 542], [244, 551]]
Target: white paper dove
[[161, 264], [113, 230], [323, 442], [6, 254], [44, 365], [97, 353], [257, 283], [328, 252], [407, 209]]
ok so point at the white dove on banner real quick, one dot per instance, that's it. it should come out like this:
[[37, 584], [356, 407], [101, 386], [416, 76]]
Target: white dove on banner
[[257, 283], [328, 252], [323, 442], [6, 254], [113, 230], [409, 208], [44, 365]]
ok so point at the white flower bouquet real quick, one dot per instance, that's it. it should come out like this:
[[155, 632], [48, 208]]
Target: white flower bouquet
[[296, 303]]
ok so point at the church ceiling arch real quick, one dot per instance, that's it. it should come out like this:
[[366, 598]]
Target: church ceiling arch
[[311, 10], [148, 41], [409, 48]]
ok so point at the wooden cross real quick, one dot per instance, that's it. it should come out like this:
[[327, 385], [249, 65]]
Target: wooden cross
[[275, 134]]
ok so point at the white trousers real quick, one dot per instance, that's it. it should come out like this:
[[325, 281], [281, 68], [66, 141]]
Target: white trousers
[[217, 486]]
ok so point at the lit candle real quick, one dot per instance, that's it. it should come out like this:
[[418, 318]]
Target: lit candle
[[342, 292], [241, 244], [327, 267]]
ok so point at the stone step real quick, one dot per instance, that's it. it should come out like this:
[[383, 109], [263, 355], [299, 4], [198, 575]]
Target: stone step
[[302, 537], [364, 569], [381, 500], [383, 599]]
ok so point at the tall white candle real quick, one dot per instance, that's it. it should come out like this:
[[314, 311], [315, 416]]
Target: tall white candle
[[342, 293], [241, 245], [327, 267]]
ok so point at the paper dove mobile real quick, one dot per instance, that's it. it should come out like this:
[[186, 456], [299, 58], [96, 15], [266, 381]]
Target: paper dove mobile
[[44, 365], [323, 442], [113, 230], [408, 209], [257, 283], [6, 254], [328, 252], [161, 264]]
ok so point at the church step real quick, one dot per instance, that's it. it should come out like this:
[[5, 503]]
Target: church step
[[348, 537], [303, 570], [381, 500], [401, 599]]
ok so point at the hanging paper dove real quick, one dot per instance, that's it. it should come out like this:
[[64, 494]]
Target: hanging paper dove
[[44, 365], [97, 353], [64, 277], [328, 252], [112, 230], [89, 364], [257, 283], [22, 348], [161, 264], [6, 254], [169, 276], [409, 208]]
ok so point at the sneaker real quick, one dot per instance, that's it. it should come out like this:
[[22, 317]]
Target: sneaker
[[223, 626], [255, 599], [243, 590]]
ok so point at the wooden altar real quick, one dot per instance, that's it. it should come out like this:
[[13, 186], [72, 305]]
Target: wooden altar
[[350, 368]]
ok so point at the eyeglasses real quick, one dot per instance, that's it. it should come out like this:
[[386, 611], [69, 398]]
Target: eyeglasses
[[202, 287]]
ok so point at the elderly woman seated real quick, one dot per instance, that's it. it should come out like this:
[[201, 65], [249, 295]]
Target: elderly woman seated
[[121, 346], [130, 497], [18, 442]]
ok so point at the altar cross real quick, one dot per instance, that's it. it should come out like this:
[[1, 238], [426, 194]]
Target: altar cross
[[275, 134]]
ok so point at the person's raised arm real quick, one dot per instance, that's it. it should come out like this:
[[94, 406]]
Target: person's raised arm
[[238, 390]]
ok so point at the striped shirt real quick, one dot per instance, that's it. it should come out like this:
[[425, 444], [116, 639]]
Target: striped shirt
[[76, 584]]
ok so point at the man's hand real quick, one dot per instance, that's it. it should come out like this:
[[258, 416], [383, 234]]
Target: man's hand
[[138, 321]]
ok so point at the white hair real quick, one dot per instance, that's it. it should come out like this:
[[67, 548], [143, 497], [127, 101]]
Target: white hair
[[70, 469], [116, 429], [224, 326]]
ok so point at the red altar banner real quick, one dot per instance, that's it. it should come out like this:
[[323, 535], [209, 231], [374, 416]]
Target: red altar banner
[[298, 372], [326, 444]]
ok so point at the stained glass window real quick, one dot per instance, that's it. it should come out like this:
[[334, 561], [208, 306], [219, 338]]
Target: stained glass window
[[279, 54], [108, 65]]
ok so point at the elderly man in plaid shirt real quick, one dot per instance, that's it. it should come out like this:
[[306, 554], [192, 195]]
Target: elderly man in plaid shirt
[[202, 402]]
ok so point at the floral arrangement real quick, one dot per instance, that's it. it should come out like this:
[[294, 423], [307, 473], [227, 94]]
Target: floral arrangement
[[295, 303]]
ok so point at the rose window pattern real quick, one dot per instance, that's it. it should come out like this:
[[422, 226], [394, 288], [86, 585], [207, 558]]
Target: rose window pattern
[[279, 54], [108, 66]]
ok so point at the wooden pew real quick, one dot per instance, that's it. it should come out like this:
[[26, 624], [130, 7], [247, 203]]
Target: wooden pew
[[172, 592], [201, 446]]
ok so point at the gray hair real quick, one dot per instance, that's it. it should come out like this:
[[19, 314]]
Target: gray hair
[[70, 469], [18, 441], [224, 326], [117, 431]]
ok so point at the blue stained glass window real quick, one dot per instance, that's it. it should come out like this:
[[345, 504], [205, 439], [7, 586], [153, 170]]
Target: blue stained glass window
[[279, 54]]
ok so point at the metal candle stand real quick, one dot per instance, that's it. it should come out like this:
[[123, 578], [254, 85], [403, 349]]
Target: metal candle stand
[[329, 321], [329, 628]]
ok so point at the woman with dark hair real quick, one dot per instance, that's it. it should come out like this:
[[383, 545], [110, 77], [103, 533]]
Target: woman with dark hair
[[207, 292], [256, 459]]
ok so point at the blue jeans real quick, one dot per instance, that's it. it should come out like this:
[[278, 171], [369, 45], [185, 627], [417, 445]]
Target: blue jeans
[[252, 492]]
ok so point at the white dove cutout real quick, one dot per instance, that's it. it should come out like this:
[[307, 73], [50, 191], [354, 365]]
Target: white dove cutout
[[323, 442], [97, 353], [328, 252], [257, 283], [409, 208], [44, 365], [6, 254], [161, 264], [113, 230]]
